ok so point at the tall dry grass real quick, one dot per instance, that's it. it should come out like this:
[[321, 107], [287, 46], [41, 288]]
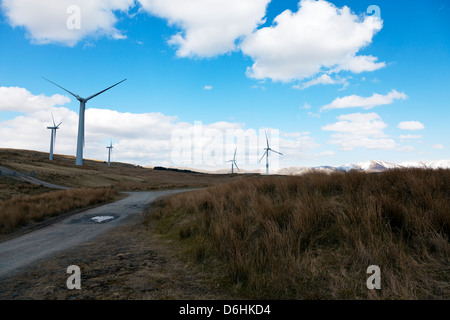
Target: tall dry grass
[[20, 211], [314, 236]]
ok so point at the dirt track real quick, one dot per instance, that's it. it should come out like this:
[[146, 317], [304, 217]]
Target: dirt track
[[27, 178], [117, 257]]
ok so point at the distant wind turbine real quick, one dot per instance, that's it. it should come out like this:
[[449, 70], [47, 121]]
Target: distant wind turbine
[[53, 137], [109, 153], [233, 162], [266, 153], [80, 141]]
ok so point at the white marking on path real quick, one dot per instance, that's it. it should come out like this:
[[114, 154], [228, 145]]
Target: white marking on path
[[101, 218]]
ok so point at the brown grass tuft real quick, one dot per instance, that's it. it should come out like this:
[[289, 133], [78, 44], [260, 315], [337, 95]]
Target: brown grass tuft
[[20, 211], [313, 236]]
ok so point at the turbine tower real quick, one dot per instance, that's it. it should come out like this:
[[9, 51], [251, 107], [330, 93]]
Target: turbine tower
[[109, 153], [233, 162], [80, 141], [53, 137], [266, 153]]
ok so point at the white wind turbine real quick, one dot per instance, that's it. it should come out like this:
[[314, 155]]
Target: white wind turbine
[[110, 147], [233, 162], [266, 153], [80, 141], [53, 137]]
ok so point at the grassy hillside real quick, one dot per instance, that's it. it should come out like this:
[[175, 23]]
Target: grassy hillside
[[93, 174], [10, 188], [23, 204], [314, 236]]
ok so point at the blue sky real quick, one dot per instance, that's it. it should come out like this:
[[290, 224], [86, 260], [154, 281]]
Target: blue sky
[[331, 83]]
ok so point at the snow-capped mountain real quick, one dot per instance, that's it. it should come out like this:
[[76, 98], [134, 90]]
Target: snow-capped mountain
[[444, 164], [368, 166]]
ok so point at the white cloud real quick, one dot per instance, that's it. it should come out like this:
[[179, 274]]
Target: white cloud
[[360, 130], [438, 146], [324, 80], [358, 64], [207, 87], [411, 125], [21, 100], [355, 101], [318, 37], [46, 21], [209, 27], [410, 136]]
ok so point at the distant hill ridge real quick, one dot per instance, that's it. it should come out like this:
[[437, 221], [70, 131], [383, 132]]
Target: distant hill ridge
[[368, 166]]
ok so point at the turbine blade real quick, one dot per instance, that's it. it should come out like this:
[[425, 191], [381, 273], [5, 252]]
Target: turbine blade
[[53, 119], [263, 155], [276, 151], [267, 141], [236, 165], [76, 96], [234, 158], [94, 95], [58, 125]]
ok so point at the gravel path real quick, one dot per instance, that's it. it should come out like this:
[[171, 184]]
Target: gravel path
[[18, 253], [119, 259]]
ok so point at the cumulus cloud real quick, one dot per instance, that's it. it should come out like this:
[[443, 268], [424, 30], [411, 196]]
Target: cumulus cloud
[[411, 125], [293, 142], [355, 101], [209, 27], [360, 130], [319, 36], [21, 100], [323, 80], [65, 21]]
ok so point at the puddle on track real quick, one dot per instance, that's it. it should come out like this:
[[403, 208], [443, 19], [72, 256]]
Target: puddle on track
[[95, 218]]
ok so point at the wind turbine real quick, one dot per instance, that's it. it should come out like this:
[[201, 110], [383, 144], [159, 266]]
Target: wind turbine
[[80, 141], [53, 137], [109, 153], [266, 153], [233, 162]]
